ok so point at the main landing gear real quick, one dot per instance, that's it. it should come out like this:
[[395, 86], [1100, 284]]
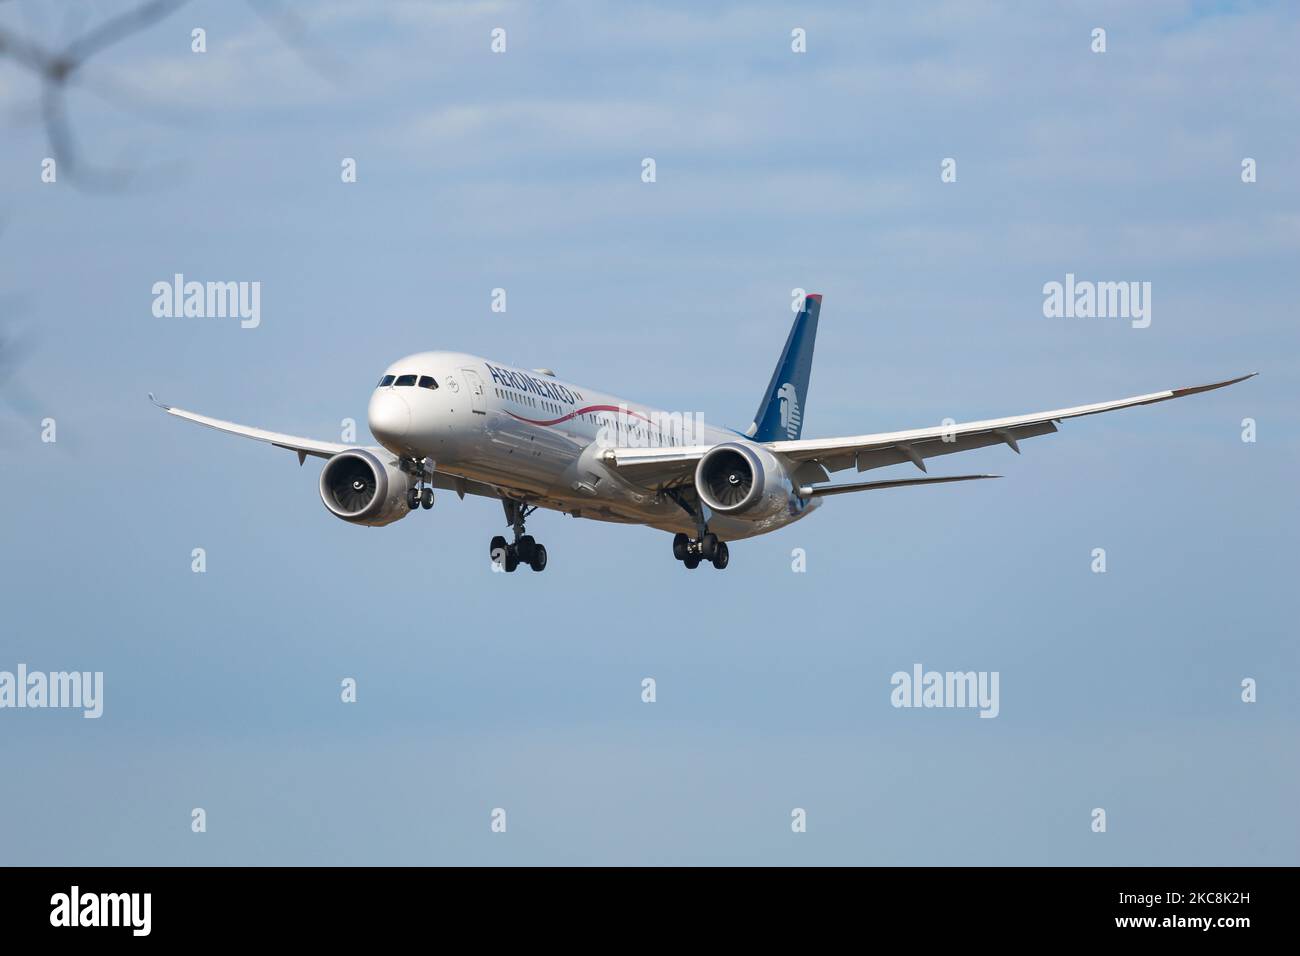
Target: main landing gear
[[705, 546], [525, 549], [419, 498], [691, 551]]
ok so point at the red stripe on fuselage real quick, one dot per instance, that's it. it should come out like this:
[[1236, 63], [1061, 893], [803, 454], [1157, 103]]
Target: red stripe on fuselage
[[580, 411]]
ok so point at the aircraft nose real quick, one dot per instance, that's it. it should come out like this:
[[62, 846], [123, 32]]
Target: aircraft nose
[[390, 417]]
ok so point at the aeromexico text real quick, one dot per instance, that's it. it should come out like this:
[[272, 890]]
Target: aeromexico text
[[620, 425], [526, 383]]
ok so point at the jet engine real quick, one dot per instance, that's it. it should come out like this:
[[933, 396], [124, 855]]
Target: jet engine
[[358, 487], [736, 479]]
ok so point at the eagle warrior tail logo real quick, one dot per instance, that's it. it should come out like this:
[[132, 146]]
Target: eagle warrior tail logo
[[790, 416]]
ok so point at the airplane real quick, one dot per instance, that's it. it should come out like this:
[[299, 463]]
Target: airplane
[[458, 422]]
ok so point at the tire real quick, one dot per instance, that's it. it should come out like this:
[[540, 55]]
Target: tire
[[723, 557], [512, 559], [426, 499], [709, 546], [680, 543], [538, 562], [412, 499], [498, 550], [525, 546], [692, 561]]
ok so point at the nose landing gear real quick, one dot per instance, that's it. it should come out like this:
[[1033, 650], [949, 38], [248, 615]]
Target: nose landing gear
[[525, 549], [420, 495]]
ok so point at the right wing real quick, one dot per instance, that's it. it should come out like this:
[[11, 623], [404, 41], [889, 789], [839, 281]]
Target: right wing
[[673, 465], [663, 467], [894, 448]]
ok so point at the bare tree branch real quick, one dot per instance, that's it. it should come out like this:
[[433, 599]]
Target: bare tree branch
[[119, 28], [57, 69], [291, 30]]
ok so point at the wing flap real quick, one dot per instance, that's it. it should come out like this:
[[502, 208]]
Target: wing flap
[[462, 486], [655, 467], [916, 452]]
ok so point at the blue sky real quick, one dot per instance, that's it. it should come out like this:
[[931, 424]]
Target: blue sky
[[774, 171]]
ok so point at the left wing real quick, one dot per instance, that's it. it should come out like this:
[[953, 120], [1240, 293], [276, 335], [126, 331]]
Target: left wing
[[326, 449], [303, 446]]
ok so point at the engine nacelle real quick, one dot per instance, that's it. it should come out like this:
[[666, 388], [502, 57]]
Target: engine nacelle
[[736, 479], [358, 487]]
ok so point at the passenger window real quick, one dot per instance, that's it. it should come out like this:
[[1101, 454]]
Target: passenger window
[[385, 381], [404, 380], [427, 382]]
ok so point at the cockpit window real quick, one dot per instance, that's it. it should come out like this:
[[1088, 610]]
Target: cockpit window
[[386, 381], [404, 380], [427, 382]]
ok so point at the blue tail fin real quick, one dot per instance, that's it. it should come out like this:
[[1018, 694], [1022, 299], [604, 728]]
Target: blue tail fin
[[780, 414]]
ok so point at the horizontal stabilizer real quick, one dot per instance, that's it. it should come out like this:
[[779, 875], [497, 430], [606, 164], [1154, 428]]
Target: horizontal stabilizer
[[814, 491]]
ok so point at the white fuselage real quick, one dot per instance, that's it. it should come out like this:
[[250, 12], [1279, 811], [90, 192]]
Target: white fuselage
[[541, 439]]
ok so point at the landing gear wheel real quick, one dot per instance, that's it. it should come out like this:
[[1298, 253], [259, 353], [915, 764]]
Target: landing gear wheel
[[413, 498], [680, 545], [709, 546], [426, 498], [692, 561], [722, 556], [525, 549], [538, 560]]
